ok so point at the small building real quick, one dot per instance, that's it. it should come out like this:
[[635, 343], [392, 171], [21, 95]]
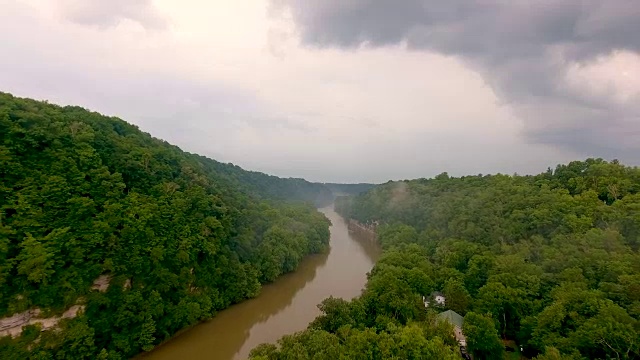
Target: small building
[[439, 298], [456, 320], [436, 298]]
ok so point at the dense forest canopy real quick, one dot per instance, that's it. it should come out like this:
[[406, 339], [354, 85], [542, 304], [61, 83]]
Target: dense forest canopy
[[170, 237], [549, 261]]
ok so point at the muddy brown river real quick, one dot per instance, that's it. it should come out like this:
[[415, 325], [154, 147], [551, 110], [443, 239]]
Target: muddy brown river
[[283, 307]]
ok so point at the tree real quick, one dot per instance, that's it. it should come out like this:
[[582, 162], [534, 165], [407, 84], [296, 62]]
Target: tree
[[35, 260], [611, 332], [551, 353], [337, 313], [482, 337], [457, 297]]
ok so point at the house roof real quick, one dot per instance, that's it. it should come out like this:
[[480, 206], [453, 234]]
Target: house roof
[[452, 317]]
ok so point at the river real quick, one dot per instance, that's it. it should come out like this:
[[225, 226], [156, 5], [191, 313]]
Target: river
[[283, 307]]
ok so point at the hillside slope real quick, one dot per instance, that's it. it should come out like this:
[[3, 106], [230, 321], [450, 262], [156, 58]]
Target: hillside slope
[[137, 236], [549, 261], [269, 186]]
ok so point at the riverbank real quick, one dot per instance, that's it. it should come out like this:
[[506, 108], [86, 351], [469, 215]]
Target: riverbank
[[362, 229], [284, 306]]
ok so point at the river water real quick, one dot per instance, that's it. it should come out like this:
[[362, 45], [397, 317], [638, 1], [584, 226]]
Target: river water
[[283, 307]]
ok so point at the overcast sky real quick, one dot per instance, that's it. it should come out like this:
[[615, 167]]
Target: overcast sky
[[344, 90]]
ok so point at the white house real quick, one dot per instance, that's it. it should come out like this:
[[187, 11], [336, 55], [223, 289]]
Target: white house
[[436, 298]]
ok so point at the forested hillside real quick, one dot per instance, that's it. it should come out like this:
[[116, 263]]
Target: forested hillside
[[550, 261], [138, 237], [270, 186]]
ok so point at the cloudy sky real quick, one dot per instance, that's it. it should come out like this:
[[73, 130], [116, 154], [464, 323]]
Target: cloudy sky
[[345, 90]]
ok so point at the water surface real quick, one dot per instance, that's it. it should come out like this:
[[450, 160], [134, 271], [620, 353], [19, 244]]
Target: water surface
[[283, 307]]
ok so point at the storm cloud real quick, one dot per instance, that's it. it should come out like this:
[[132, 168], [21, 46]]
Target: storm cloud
[[533, 54]]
